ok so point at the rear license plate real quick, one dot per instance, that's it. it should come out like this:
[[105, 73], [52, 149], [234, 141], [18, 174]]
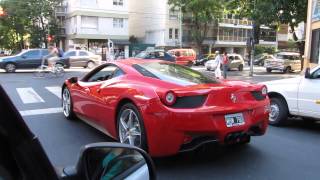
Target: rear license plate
[[233, 120]]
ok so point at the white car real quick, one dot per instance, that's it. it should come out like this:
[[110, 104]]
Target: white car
[[235, 61], [295, 97]]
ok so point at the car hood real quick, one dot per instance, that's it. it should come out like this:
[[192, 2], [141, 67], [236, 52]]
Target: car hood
[[9, 57], [283, 81]]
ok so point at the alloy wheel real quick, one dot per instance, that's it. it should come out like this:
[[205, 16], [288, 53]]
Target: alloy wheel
[[66, 102], [10, 67], [274, 113], [129, 128]]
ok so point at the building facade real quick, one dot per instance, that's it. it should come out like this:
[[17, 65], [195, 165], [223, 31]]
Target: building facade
[[312, 49], [154, 22], [93, 24], [230, 34]]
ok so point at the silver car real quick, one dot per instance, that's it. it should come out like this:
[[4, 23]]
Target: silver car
[[235, 61]]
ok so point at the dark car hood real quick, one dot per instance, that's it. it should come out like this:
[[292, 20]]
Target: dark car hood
[[8, 58]]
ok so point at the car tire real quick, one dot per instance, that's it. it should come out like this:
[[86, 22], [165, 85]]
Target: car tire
[[190, 64], [279, 111], [137, 126], [67, 104], [269, 70], [90, 65], [286, 70], [240, 68], [10, 68]]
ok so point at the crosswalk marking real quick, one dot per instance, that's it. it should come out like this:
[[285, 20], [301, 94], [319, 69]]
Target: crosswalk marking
[[28, 95], [41, 111], [56, 90]]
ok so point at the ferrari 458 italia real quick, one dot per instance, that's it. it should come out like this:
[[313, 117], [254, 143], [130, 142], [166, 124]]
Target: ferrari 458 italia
[[166, 108]]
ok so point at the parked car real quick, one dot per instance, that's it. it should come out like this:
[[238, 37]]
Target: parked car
[[295, 97], [260, 59], [28, 59], [185, 57], [285, 62], [22, 156], [235, 61], [80, 58], [156, 54], [204, 59], [165, 108]]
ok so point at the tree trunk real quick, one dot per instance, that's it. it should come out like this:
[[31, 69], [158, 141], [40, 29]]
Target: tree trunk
[[300, 45]]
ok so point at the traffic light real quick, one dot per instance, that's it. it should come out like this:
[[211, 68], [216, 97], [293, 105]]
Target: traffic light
[[50, 38]]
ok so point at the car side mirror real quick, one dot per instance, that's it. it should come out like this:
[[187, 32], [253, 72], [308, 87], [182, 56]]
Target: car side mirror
[[307, 74], [112, 161], [73, 80]]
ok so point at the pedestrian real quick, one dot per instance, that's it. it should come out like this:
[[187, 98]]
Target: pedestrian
[[218, 60], [225, 63]]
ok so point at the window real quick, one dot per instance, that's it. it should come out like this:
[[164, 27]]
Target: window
[[315, 46], [32, 54], [170, 33], [70, 53], [173, 73], [83, 53], [159, 54], [118, 22], [105, 73], [176, 34], [44, 52], [173, 14], [118, 2], [316, 75], [90, 22]]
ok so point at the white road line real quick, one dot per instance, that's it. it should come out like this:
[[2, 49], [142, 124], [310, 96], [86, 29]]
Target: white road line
[[41, 111], [55, 90], [28, 96]]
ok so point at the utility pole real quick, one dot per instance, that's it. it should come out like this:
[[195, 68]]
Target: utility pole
[[180, 27], [253, 40]]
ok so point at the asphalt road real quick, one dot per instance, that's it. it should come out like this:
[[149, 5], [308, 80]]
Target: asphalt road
[[290, 152]]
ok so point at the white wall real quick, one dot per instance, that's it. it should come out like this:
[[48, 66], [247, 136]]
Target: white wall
[[149, 20], [97, 5]]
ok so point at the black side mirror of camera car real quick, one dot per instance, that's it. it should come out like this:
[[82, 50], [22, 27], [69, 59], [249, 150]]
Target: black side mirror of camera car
[[307, 74], [73, 80], [111, 161]]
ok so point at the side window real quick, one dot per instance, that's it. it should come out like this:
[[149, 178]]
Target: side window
[[83, 53], [32, 54], [159, 54], [231, 58], [105, 73], [70, 53], [237, 58], [316, 75], [151, 55], [45, 52], [184, 53]]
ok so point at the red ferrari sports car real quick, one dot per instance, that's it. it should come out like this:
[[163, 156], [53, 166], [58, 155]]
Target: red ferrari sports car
[[166, 108]]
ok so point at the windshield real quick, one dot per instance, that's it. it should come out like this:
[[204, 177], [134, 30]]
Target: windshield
[[173, 73], [142, 55]]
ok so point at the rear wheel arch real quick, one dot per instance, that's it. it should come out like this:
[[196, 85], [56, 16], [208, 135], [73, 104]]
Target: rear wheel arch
[[279, 96]]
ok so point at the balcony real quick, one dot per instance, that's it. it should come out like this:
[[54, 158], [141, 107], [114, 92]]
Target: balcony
[[236, 21], [61, 10]]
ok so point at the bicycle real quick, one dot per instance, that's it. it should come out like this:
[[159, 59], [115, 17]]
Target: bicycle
[[57, 70]]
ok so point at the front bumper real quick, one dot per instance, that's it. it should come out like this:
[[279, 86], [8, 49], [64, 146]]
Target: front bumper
[[170, 131], [275, 67]]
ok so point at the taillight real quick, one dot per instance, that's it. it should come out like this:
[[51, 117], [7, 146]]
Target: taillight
[[169, 98], [264, 91]]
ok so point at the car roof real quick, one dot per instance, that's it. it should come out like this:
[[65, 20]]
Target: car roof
[[289, 53], [234, 54]]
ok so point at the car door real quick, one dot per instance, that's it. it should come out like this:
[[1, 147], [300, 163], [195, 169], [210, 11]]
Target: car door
[[90, 103], [70, 58], [83, 58], [309, 96], [30, 59]]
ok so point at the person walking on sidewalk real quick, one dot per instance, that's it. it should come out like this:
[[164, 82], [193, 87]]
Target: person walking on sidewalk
[[225, 63], [218, 61]]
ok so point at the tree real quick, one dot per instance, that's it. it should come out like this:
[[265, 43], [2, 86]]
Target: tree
[[202, 14], [274, 13]]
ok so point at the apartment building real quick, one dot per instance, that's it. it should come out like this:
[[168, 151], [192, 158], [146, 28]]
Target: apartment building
[[92, 24], [312, 46], [154, 22], [230, 34]]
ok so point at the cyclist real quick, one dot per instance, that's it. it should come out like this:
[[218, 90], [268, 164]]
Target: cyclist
[[53, 56]]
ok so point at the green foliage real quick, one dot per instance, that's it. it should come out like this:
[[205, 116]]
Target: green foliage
[[201, 14], [264, 49], [26, 20]]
